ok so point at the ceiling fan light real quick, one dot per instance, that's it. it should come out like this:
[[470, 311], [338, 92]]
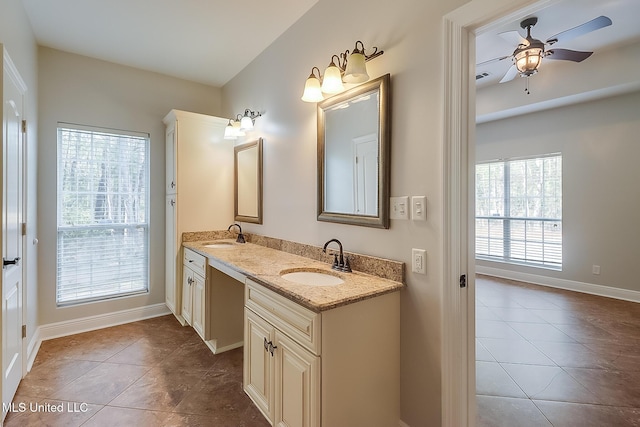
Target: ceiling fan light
[[528, 61]]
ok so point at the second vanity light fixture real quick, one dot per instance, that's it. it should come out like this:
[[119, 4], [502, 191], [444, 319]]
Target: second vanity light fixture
[[242, 123], [347, 68]]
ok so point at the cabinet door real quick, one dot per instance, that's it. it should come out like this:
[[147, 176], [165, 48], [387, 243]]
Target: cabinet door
[[297, 384], [187, 302], [170, 254], [258, 362], [198, 307], [171, 159]]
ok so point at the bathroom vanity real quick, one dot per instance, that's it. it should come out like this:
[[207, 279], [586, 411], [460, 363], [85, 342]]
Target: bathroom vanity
[[321, 348]]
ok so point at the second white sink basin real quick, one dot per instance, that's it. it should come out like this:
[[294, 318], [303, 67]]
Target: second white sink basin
[[219, 244], [311, 278]]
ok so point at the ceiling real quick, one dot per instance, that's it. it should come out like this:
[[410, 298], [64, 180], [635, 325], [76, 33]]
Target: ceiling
[[206, 41], [553, 19]]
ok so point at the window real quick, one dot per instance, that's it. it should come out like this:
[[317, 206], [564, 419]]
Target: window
[[519, 211], [103, 214]]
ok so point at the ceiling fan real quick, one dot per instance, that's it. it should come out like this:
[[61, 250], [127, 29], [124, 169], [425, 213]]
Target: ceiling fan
[[529, 52]]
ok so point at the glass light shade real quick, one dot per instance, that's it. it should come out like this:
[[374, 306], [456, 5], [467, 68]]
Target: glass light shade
[[528, 61], [332, 80], [356, 71], [312, 91], [246, 123], [237, 129], [229, 132]]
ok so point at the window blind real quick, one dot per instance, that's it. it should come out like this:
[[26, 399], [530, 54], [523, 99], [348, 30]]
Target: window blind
[[103, 211], [519, 211]]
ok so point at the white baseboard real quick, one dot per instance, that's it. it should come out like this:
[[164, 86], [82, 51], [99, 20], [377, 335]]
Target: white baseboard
[[570, 285], [32, 348], [100, 321]]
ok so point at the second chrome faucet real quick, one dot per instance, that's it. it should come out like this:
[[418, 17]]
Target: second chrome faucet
[[339, 263]]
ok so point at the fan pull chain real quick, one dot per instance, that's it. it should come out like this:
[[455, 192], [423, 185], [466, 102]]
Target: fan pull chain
[[526, 88]]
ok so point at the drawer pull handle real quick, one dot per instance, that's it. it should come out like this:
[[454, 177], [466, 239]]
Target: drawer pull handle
[[266, 345]]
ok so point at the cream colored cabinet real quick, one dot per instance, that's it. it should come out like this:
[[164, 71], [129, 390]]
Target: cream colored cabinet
[[339, 367], [199, 298], [259, 365], [194, 292], [199, 188], [187, 294]]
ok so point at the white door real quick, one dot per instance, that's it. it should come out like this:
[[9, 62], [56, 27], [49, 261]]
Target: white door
[[12, 190], [366, 175]]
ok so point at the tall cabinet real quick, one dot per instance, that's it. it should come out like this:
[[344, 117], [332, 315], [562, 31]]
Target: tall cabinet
[[199, 188]]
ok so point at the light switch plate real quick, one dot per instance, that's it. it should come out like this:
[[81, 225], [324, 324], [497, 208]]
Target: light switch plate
[[399, 207], [419, 208], [419, 261]]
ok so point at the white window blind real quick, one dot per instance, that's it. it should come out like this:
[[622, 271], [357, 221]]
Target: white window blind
[[519, 211], [103, 214]]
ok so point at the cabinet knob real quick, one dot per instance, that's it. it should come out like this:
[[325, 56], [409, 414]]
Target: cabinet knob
[[173, 184], [190, 280], [272, 348], [172, 202], [266, 345]]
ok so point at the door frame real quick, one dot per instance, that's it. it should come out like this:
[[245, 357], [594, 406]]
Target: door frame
[[458, 160]]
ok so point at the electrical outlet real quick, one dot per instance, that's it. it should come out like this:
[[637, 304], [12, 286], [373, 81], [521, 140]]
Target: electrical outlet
[[595, 269], [419, 261], [399, 207], [419, 208]]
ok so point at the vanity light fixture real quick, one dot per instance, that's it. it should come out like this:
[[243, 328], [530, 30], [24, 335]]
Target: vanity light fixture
[[233, 130], [243, 122], [347, 68]]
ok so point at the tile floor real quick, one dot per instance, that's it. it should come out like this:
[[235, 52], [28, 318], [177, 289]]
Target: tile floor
[[148, 373], [548, 357]]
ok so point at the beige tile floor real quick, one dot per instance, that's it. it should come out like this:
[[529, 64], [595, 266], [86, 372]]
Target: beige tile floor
[[148, 373], [548, 357]]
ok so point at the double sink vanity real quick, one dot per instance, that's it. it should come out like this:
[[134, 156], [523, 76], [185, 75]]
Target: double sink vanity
[[321, 346]]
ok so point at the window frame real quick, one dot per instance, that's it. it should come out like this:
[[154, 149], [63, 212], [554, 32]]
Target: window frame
[[509, 219], [145, 225]]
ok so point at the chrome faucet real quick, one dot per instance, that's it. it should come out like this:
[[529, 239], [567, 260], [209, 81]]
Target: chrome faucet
[[240, 238], [342, 263]]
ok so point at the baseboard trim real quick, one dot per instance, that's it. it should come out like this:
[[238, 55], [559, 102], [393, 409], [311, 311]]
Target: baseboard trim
[[32, 348], [212, 344], [570, 285], [100, 321]]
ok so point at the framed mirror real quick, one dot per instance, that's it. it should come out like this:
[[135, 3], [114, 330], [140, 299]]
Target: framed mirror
[[248, 182], [354, 137]]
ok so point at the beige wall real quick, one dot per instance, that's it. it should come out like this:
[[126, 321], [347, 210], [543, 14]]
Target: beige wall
[[19, 41], [410, 33], [600, 149], [77, 89]]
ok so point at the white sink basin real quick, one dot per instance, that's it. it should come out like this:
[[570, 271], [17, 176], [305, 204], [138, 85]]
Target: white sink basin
[[219, 244], [311, 278]]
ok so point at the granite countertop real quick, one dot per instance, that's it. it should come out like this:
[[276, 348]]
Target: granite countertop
[[263, 265]]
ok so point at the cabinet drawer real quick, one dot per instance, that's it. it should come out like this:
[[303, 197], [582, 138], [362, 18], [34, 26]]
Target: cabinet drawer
[[299, 323], [195, 262]]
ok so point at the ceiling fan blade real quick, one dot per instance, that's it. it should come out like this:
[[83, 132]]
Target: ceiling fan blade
[[568, 55], [492, 61], [511, 74], [514, 38], [587, 27]]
